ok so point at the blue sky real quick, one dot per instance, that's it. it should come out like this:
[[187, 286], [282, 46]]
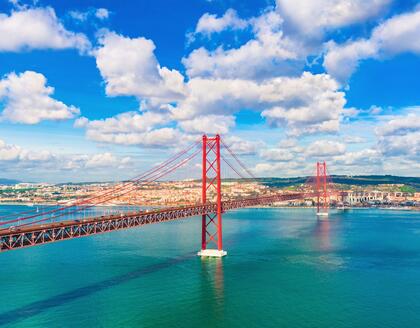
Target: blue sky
[[97, 90]]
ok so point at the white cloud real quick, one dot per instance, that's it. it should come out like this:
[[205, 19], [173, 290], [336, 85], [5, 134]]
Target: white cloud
[[132, 128], [401, 145], [359, 158], [36, 156], [82, 16], [125, 122], [354, 139], [288, 143], [242, 146], [400, 136], [342, 60], [303, 105], [27, 99], [313, 17], [282, 39], [37, 28], [306, 104], [211, 124], [161, 137], [102, 160], [269, 54], [16, 153], [129, 67], [278, 155], [310, 104], [43, 159], [401, 125], [209, 23], [102, 13], [396, 35], [9, 152], [325, 148], [283, 169]]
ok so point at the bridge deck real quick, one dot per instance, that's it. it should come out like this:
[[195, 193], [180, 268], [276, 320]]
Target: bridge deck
[[14, 238]]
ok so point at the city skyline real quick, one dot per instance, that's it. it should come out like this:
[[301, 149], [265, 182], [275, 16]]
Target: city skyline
[[94, 90]]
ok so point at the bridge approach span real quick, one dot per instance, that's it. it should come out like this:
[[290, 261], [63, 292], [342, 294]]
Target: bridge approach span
[[39, 234]]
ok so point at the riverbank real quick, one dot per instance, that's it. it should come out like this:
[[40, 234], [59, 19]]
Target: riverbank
[[407, 208]]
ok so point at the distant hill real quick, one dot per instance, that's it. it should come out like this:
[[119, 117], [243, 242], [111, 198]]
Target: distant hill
[[358, 180], [8, 181], [376, 179]]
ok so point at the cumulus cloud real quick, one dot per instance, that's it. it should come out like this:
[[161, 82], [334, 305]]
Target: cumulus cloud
[[125, 122], [131, 128], [242, 146], [104, 160], [161, 137], [360, 158], [82, 16], [94, 161], [206, 104], [354, 139], [325, 148], [395, 35], [288, 143], [282, 169], [401, 145], [313, 17], [38, 28], [44, 159], [282, 39], [102, 13], [400, 136], [26, 99], [310, 104], [210, 23], [306, 104], [269, 53], [278, 155], [213, 124], [10, 152], [401, 125], [129, 67]]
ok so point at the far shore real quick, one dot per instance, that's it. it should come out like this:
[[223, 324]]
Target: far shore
[[255, 207]]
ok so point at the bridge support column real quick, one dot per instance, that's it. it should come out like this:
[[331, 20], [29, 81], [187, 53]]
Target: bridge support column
[[321, 189], [211, 223]]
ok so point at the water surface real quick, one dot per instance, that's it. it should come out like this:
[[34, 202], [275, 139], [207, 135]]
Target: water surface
[[285, 268]]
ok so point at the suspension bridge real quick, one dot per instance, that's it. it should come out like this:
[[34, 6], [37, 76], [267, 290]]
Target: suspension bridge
[[58, 223]]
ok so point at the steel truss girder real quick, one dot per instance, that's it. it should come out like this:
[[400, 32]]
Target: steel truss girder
[[54, 232]]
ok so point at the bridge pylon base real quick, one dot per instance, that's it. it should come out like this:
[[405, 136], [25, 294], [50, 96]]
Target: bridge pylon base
[[211, 253], [322, 214]]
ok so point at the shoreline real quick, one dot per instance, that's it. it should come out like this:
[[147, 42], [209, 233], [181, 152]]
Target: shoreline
[[344, 209], [414, 209]]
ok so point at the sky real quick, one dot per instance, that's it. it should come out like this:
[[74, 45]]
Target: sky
[[101, 90]]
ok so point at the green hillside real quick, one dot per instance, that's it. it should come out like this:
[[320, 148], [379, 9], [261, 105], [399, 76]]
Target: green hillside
[[413, 183]]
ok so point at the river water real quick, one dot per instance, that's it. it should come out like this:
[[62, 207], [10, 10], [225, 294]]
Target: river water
[[285, 268]]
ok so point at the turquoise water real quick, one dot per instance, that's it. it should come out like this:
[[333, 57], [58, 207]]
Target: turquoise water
[[285, 268]]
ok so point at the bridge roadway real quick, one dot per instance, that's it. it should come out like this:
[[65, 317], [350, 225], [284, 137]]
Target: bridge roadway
[[38, 234]]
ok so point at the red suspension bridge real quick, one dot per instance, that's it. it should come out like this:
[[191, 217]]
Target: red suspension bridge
[[52, 224]]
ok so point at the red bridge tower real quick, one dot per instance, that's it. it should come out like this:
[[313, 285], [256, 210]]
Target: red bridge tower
[[323, 201], [211, 230]]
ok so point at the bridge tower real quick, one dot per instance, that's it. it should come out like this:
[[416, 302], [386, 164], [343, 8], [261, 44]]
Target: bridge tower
[[323, 201], [211, 223]]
